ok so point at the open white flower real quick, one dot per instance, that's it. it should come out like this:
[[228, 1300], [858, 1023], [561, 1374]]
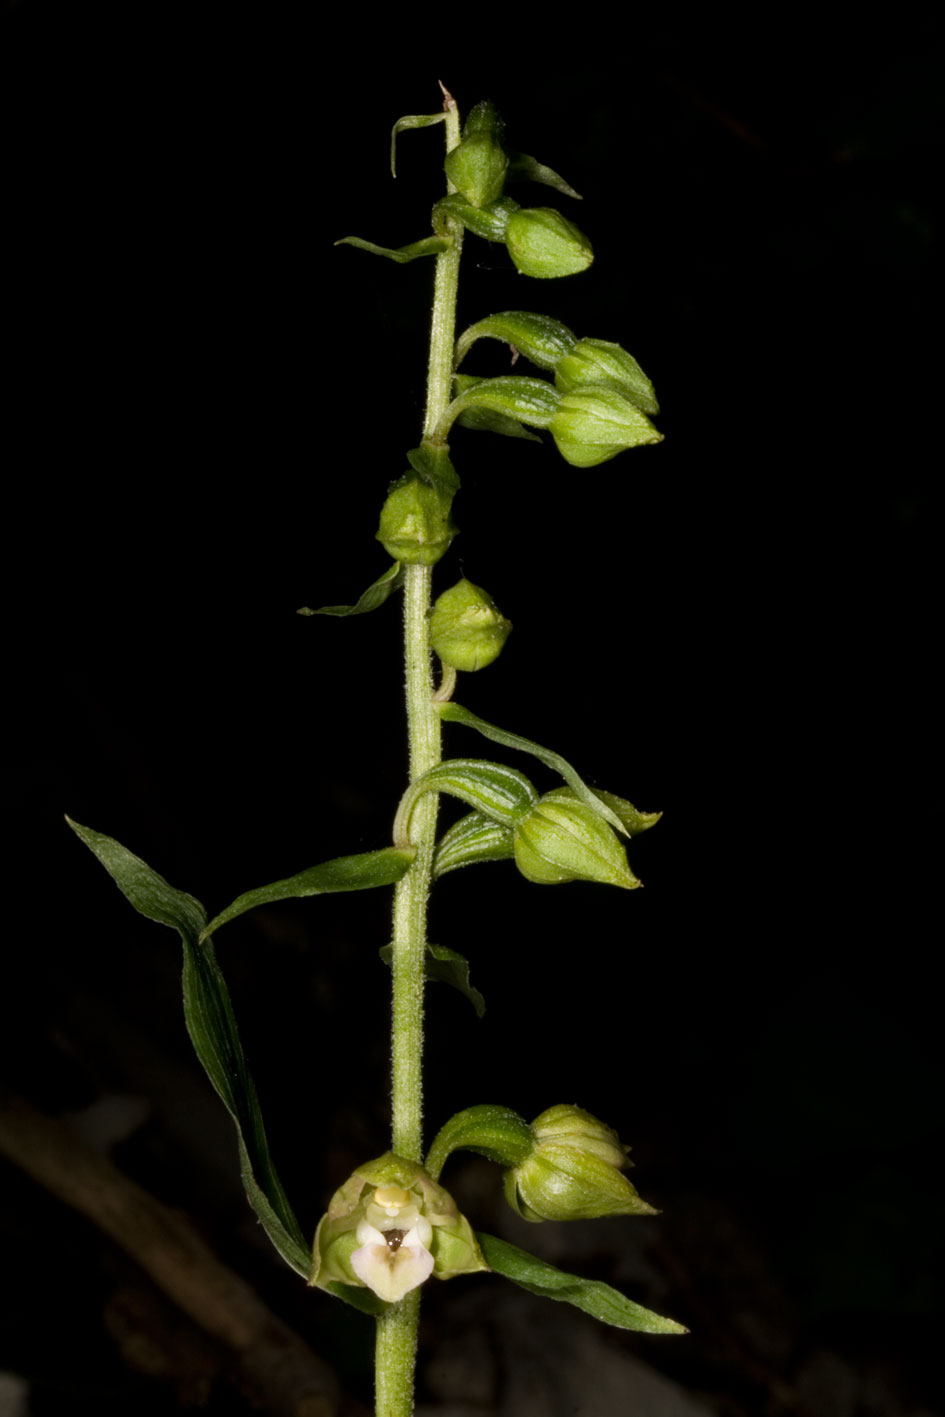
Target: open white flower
[[395, 1244]]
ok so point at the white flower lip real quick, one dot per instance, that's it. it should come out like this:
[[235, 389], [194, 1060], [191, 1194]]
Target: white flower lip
[[393, 1261]]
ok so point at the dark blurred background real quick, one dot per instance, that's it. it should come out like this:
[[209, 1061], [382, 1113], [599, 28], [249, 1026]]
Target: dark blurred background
[[736, 627]]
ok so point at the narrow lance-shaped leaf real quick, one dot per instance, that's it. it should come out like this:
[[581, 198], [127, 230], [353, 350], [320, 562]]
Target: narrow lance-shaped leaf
[[429, 246], [344, 873], [412, 120], [212, 1028], [455, 713], [375, 595], [445, 966], [592, 1295]]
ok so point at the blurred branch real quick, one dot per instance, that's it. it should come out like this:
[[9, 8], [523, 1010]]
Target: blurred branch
[[273, 1367]]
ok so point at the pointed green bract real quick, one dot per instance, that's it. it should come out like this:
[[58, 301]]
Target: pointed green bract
[[431, 463], [429, 246], [523, 168], [445, 966], [594, 1297], [412, 120], [345, 873], [376, 594], [455, 713], [212, 1028]]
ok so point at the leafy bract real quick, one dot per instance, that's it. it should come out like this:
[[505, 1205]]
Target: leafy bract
[[455, 713], [412, 120], [344, 873], [592, 1295], [429, 246], [213, 1032], [445, 966], [375, 595], [523, 168]]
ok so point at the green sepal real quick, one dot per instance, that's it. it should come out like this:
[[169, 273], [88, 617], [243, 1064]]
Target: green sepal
[[431, 463], [540, 338], [594, 363], [545, 245], [471, 840], [429, 246], [574, 1171], [592, 1295], [523, 168], [445, 966], [467, 629], [631, 818], [495, 790], [484, 117], [495, 1132], [531, 401], [562, 839], [486, 420], [412, 120], [344, 873], [211, 1024], [490, 222], [598, 802], [416, 524], [375, 595]]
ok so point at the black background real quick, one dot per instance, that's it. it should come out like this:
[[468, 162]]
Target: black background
[[736, 627]]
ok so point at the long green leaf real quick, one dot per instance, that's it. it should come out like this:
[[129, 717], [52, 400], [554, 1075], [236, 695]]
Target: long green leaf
[[375, 595], [429, 246], [592, 1295], [213, 1032], [344, 873], [455, 713]]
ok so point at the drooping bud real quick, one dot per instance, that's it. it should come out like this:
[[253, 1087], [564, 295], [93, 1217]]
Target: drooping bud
[[562, 839], [391, 1226], [467, 630], [545, 244], [416, 527], [573, 1172], [477, 167], [592, 425], [599, 362]]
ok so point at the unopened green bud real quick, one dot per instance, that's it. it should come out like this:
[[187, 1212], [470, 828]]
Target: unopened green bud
[[416, 527], [573, 1172], [477, 168], [467, 630], [562, 839], [391, 1226], [543, 243], [592, 425], [598, 361]]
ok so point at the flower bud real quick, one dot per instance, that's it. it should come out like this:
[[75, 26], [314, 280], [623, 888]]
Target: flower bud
[[562, 839], [477, 168], [416, 527], [573, 1171], [390, 1227], [598, 361], [594, 424], [543, 243], [467, 629]]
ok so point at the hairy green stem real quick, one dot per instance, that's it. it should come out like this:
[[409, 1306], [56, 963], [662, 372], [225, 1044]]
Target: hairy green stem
[[397, 1328]]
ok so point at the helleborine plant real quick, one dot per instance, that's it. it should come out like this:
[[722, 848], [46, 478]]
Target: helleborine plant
[[391, 1227]]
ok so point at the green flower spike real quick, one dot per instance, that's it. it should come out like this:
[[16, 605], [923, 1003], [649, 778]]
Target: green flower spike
[[543, 243], [562, 839], [574, 1171], [388, 1228], [467, 629]]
